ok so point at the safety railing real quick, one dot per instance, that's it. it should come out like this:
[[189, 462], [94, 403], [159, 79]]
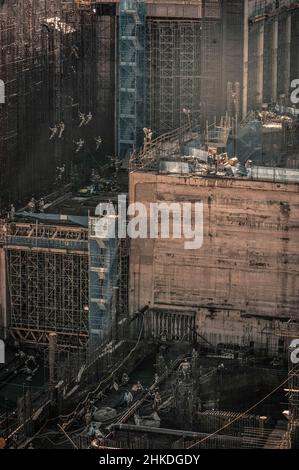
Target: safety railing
[[165, 145]]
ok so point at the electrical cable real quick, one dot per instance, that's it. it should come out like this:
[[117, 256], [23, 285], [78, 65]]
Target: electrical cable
[[106, 379], [241, 415]]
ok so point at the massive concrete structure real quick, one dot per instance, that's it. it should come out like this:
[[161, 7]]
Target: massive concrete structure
[[241, 286], [59, 59], [56, 62]]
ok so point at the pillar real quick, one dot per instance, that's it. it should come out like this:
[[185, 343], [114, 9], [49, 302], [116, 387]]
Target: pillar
[[288, 54], [245, 59], [260, 64], [274, 70]]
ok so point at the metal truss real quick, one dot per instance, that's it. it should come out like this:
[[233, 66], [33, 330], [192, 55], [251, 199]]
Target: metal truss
[[47, 278], [48, 291]]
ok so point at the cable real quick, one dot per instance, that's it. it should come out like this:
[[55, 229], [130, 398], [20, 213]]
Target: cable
[[241, 415], [104, 380]]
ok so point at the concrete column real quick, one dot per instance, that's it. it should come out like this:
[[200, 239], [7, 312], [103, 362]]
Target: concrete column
[[260, 64], [245, 59], [274, 70], [288, 54]]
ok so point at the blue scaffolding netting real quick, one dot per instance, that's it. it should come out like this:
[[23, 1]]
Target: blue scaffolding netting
[[132, 41], [103, 263]]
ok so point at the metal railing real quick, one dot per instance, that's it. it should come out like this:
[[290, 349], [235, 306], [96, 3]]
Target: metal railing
[[165, 145]]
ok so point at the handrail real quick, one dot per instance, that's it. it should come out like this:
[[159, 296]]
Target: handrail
[[139, 156]]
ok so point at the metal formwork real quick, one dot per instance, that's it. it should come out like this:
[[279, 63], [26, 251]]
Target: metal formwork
[[132, 19]]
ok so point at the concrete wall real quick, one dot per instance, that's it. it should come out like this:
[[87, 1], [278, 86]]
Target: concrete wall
[[273, 57], [245, 275]]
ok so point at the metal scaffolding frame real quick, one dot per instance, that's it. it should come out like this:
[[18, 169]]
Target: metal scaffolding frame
[[123, 276], [47, 271], [103, 264], [293, 398], [131, 113], [47, 61], [173, 73]]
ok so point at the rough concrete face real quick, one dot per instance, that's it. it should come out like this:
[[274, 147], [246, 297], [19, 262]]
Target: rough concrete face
[[247, 266]]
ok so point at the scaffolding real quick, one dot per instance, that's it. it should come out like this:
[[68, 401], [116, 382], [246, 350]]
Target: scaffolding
[[293, 397], [173, 73], [132, 19], [103, 265], [123, 277], [47, 270], [47, 61]]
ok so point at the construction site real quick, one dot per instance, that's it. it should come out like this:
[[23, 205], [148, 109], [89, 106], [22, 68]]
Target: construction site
[[118, 334]]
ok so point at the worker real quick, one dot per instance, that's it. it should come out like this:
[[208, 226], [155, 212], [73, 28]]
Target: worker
[[61, 127], [12, 212], [41, 205], [79, 144], [157, 400], [137, 419], [54, 131], [88, 118], [128, 398], [145, 131], [60, 171], [185, 369], [124, 379], [32, 205], [137, 387], [82, 118], [147, 137], [91, 430], [98, 142]]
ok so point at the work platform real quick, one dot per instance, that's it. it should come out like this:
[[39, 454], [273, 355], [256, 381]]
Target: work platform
[[167, 8]]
